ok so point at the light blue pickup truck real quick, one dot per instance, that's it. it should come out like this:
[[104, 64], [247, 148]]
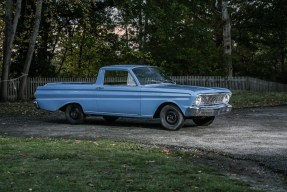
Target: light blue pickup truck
[[134, 91]]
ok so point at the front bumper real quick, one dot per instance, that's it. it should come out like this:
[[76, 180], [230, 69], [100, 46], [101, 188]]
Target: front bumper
[[213, 110]]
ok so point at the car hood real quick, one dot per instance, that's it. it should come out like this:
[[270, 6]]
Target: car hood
[[187, 88]]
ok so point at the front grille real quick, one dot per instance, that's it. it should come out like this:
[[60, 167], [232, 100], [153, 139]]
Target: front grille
[[212, 99]]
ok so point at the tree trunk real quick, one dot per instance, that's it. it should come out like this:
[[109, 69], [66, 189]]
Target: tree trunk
[[145, 31], [140, 35], [6, 50], [27, 64], [82, 43], [227, 46], [127, 35], [10, 31], [62, 61]]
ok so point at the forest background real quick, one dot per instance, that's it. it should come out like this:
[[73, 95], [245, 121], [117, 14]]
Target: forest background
[[184, 37]]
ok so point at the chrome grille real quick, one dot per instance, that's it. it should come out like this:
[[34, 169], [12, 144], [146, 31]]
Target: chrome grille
[[212, 99]]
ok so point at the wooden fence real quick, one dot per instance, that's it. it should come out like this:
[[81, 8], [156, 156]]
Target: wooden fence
[[233, 83]]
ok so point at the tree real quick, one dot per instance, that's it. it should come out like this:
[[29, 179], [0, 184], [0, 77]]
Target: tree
[[183, 37], [227, 45], [180, 37], [27, 64], [10, 31], [222, 8], [260, 36], [87, 41]]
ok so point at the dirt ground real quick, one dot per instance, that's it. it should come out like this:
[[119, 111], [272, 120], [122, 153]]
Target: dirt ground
[[248, 144]]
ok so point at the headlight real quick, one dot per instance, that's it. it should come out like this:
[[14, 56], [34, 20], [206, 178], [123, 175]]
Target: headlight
[[197, 100], [226, 98]]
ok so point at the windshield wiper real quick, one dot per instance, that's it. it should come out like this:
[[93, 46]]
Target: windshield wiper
[[168, 81]]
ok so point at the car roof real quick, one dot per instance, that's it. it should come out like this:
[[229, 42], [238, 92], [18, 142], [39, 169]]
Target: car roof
[[126, 67]]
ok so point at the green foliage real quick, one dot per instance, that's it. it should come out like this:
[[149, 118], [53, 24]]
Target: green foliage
[[74, 165], [180, 40], [260, 33], [184, 37]]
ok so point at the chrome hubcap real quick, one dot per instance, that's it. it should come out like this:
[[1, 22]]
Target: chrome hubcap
[[171, 117]]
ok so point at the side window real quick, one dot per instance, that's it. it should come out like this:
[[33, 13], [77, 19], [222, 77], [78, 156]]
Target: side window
[[120, 78]]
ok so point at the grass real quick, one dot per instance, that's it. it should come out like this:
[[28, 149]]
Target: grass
[[257, 99], [28, 164], [33, 164]]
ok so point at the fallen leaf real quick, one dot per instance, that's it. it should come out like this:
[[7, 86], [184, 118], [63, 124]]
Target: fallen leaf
[[129, 181], [166, 151]]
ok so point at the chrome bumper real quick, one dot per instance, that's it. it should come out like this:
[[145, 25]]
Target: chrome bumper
[[213, 110]]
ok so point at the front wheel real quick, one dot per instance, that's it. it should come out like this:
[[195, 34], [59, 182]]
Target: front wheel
[[203, 121], [171, 117], [74, 114]]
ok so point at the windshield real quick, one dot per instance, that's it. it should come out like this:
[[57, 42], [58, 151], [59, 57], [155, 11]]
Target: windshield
[[151, 75]]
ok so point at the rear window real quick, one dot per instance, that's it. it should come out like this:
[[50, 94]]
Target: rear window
[[118, 78]]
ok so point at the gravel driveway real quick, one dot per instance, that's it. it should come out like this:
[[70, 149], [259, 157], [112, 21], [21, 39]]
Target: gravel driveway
[[256, 135]]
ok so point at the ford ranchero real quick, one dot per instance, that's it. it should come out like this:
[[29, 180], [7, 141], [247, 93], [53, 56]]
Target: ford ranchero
[[134, 91]]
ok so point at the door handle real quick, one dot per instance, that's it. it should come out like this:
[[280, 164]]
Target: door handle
[[99, 88]]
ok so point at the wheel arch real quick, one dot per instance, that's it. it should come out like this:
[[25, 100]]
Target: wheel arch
[[157, 112], [63, 108]]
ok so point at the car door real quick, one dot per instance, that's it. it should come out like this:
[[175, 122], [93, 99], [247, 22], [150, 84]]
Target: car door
[[119, 94]]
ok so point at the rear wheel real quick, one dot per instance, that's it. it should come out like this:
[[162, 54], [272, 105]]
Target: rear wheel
[[171, 117], [74, 114], [203, 121]]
